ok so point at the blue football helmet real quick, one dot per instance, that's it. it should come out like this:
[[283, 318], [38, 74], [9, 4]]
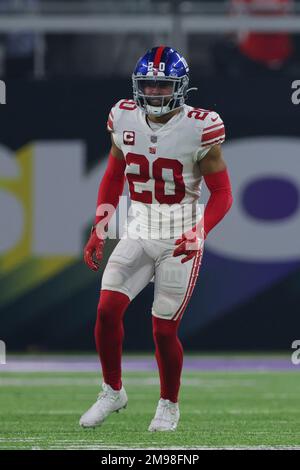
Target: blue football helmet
[[166, 72]]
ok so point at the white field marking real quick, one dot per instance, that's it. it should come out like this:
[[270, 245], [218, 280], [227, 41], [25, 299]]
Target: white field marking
[[111, 447], [263, 411], [154, 448], [10, 447], [82, 444], [210, 448], [197, 412], [20, 439], [49, 412], [72, 381], [281, 396], [200, 412]]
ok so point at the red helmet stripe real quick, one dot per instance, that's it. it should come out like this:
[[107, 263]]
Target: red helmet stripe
[[157, 57]]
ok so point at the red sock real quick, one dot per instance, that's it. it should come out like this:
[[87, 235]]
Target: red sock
[[169, 356], [109, 333]]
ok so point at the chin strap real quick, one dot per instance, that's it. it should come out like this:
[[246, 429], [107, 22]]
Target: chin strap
[[150, 110]]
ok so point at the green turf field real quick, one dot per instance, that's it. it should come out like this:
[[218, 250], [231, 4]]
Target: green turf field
[[218, 409]]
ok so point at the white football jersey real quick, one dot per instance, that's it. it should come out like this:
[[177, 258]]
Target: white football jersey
[[162, 166]]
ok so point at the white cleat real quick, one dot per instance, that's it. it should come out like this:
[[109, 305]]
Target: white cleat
[[108, 402], [166, 417]]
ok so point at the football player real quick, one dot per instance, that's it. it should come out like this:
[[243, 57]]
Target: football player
[[165, 149]]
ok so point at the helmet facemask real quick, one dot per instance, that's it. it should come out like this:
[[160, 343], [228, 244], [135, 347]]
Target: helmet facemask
[[159, 104]]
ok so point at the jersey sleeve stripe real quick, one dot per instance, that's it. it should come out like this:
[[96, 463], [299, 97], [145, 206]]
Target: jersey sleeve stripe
[[215, 126], [213, 134], [110, 125], [211, 142]]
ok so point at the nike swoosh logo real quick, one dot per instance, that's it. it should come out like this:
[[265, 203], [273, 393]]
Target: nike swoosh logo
[[213, 120]]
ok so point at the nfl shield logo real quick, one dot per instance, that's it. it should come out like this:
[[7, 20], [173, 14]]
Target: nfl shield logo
[[153, 139]]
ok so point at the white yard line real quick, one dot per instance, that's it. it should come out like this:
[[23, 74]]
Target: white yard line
[[82, 445], [71, 381]]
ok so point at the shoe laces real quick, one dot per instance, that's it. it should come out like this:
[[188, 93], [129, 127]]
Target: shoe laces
[[167, 406], [102, 395], [106, 393]]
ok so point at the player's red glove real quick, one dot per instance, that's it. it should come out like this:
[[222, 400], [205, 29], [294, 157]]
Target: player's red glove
[[94, 248], [190, 244]]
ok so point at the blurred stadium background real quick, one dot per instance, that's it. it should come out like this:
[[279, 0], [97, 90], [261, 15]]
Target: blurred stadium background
[[65, 64]]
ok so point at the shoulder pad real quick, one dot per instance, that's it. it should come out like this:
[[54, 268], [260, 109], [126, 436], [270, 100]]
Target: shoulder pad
[[213, 130], [116, 112]]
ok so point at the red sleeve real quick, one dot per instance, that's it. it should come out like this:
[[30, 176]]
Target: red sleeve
[[111, 187], [220, 199]]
